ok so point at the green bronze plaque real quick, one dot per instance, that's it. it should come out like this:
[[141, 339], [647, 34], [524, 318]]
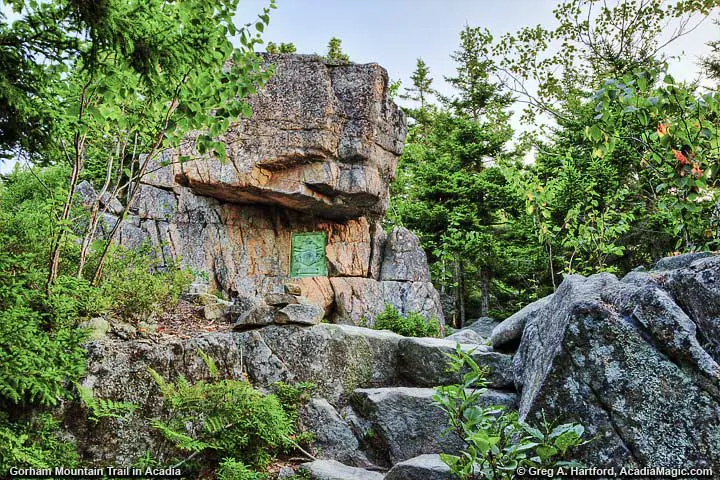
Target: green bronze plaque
[[307, 255]]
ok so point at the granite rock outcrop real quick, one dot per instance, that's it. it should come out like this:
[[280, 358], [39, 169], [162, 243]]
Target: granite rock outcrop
[[318, 154]]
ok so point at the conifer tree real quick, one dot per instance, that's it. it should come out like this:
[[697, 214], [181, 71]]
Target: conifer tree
[[421, 89], [335, 51]]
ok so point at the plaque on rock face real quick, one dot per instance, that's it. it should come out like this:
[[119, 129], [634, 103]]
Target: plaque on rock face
[[307, 257]]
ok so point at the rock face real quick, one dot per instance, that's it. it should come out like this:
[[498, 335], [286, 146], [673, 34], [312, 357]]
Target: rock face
[[371, 406], [635, 361], [317, 155], [422, 467], [407, 423]]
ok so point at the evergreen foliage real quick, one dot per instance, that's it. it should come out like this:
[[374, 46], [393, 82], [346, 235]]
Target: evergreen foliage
[[272, 47], [33, 442], [335, 52], [411, 325], [598, 188], [225, 423]]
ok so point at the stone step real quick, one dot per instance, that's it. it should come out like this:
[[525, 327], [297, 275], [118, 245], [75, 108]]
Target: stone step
[[422, 467], [334, 470], [424, 362], [402, 422]]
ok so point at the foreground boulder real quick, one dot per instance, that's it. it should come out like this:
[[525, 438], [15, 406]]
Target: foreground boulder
[[422, 467], [632, 360], [337, 358], [405, 422]]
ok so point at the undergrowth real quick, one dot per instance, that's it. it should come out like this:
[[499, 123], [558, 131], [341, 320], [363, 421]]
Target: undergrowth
[[411, 325]]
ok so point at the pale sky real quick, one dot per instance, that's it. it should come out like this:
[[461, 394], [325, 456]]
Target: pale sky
[[394, 33]]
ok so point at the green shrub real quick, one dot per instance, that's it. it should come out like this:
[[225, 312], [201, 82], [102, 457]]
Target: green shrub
[[136, 287], [37, 361], [231, 469], [40, 346], [411, 325], [223, 419], [33, 442], [497, 443]]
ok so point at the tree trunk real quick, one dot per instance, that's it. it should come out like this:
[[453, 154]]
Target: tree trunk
[[485, 277], [460, 269], [95, 214], [57, 242]]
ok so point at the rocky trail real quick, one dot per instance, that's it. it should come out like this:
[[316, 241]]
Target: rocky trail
[[373, 412], [633, 359]]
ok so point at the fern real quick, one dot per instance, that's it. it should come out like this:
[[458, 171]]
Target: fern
[[224, 418], [103, 408], [33, 442], [210, 363], [181, 440]]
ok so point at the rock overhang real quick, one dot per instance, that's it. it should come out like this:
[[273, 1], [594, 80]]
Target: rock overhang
[[323, 139]]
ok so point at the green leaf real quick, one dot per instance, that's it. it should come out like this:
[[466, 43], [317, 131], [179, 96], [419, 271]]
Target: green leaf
[[595, 133]]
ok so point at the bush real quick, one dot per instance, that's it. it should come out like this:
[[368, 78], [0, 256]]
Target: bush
[[33, 442], [224, 419], [41, 355], [411, 325], [497, 443], [135, 286], [231, 469]]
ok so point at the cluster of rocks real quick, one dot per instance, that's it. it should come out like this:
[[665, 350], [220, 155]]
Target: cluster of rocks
[[372, 412], [318, 155], [281, 308], [635, 360]]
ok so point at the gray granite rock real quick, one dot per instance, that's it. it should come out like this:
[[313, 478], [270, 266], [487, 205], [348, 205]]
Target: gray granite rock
[[507, 334], [483, 326], [257, 316], [303, 314], [467, 336], [408, 423], [404, 258], [625, 361], [333, 470], [333, 438], [424, 362], [422, 467]]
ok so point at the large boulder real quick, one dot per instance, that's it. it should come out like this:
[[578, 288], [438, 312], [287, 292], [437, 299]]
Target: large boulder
[[632, 362], [407, 423], [318, 154], [323, 139], [424, 362], [507, 334], [337, 358], [405, 259]]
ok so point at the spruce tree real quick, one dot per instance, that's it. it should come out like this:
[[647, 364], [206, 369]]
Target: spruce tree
[[335, 51]]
